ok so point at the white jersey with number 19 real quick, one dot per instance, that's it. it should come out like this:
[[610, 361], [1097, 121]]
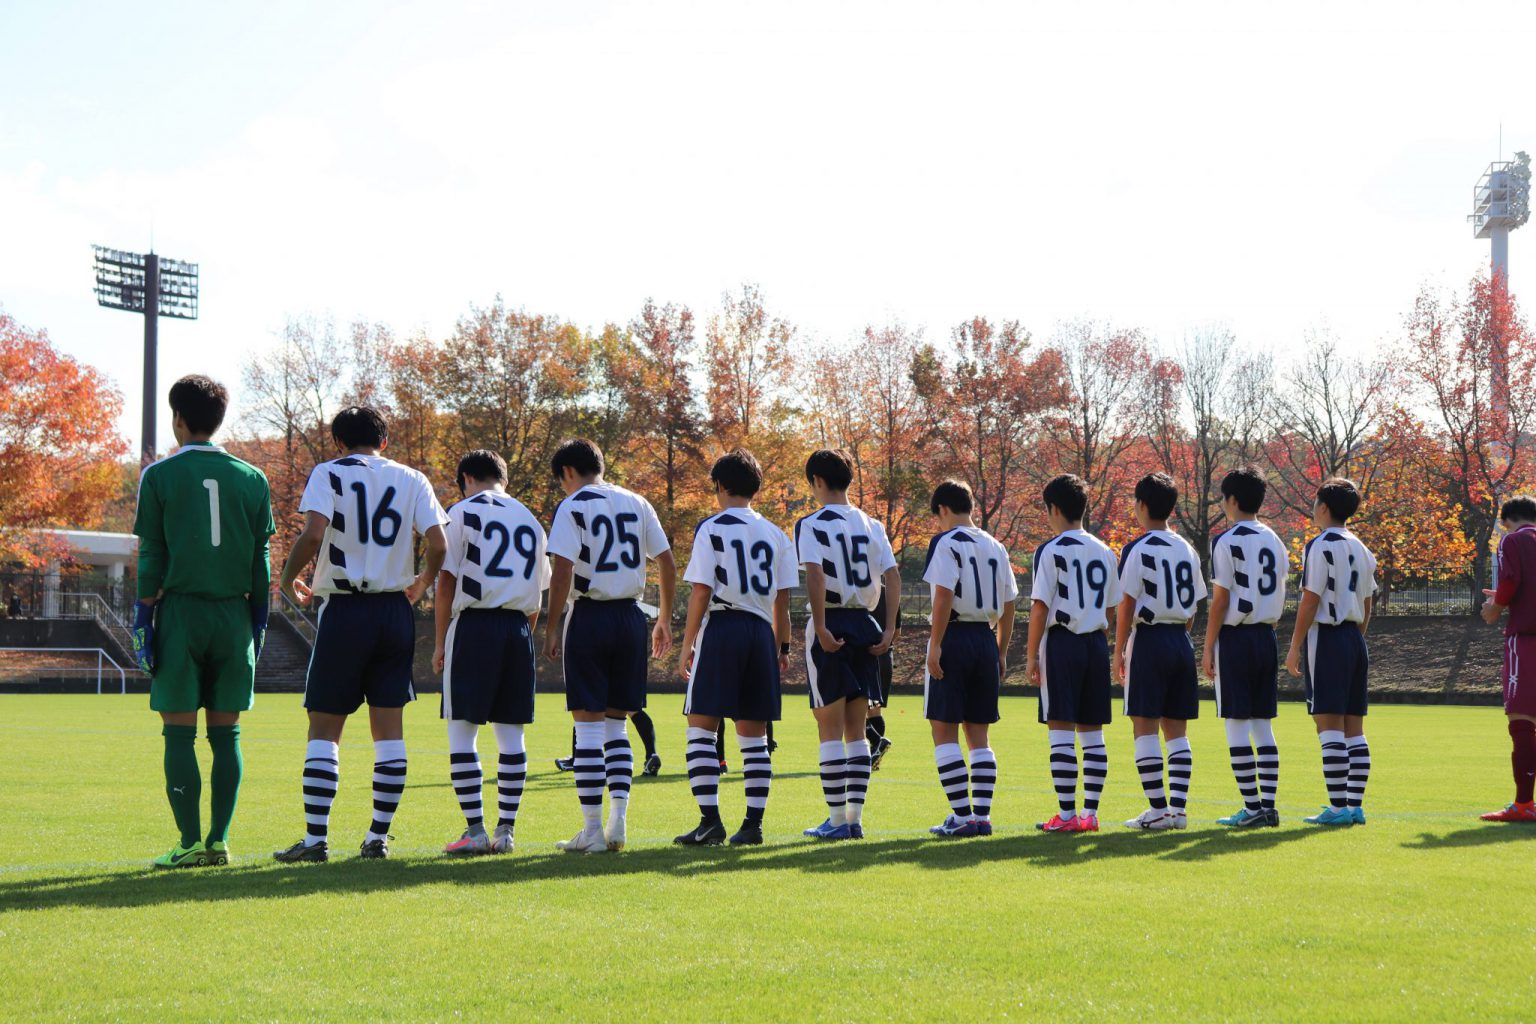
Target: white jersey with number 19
[[375, 506], [1075, 579]]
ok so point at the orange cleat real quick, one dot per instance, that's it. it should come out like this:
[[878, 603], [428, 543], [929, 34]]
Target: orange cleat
[[1514, 812], [1058, 824], [1087, 823]]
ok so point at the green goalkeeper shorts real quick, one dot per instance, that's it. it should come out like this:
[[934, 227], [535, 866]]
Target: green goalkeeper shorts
[[204, 656]]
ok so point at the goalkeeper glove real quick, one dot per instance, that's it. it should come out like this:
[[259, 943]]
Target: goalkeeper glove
[[143, 634]]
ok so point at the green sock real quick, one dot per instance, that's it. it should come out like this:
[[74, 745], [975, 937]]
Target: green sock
[[228, 767], [183, 781]]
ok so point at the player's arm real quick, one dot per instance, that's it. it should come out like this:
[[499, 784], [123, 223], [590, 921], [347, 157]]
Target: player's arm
[[816, 591], [892, 578], [661, 635], [436, 543], [1306, 614], [943, 604], [149, 524], [305, 547], [1370, 606], [1221, 597], [442, 616], [781, 627], [562, 570], [1122, 620], [1004, 637], [1037, 613], [698, 601]]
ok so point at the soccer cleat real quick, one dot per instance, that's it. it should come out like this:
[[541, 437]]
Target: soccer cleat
[[374, 849], [1087, 822], [1244, 818], [302, 852], [954, 828], [879, 754], [1514, 812], [565, 764], [822, 831], [613, 835], [1177, 818], [178, 856], [748, 835], [472, 843], [1357, 813], [855, 830], [586, 841], [984, 826], [502, 842], [652, 765], [710, 832], [1153, 819], [1058, 824], [218, 854], [1331, 816], [724, 768], [1271, 818]]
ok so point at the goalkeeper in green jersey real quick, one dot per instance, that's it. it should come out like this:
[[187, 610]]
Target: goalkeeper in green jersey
[[203, 522]]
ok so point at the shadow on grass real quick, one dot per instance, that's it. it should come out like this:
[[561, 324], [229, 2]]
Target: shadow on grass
[[347, 875], [1485, 835]]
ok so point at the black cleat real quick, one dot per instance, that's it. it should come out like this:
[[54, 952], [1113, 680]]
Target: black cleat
[[1271, 818], [725, 769], [652, 765], [374, 849], [565, 764], [748, 835], [299, 853], [711, 832], [879, 754]]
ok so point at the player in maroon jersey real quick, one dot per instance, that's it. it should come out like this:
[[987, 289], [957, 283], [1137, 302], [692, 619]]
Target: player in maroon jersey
[[1517, 592]]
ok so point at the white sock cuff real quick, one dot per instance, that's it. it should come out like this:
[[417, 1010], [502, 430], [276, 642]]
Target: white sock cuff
[[389, 750], [1331, 736], [832, 750], [322, 750], [462, 736], [983, 754], [1147, 747], [1179, 745], [589, 735], [1356, 741], [1092, 739], [1238, 731], [615, 729], [509, 738], [945, 753], [1263, 732], [751, 744], [1061, 738], [697, 735], [858, 748]]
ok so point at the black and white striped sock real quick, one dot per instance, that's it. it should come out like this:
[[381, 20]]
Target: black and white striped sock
[[1268, 760], [618, 764], [465, 773], [954, 777], [834, 779], [590, 772], [756, 775], [1064, 771], [1240, 750], [983, 781], [1335, 766], [1149, 765], [1181, 765], [322, 773], [388, 785], [704, 771], [859, 771], [1359, 769], [1095, 769], [511, 773]]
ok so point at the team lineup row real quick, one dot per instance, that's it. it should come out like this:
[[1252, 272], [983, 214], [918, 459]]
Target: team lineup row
[[204, 519]]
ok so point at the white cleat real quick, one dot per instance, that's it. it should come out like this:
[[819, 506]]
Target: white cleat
[[614, 834], [502, 842], [1152, 819], [586, 841], [1180, 819]]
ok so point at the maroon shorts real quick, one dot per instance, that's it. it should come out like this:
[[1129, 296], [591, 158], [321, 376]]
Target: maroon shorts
[[1520, 674]]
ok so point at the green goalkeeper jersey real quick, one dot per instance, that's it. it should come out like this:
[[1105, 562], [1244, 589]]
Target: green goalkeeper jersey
[[204, 522]]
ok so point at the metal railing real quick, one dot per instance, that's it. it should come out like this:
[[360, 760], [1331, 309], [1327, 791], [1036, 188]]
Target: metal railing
[[297, 617], [103, 660], [88, 606]]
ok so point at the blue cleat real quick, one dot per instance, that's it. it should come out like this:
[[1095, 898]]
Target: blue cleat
[[1358, 814], [954, 828], [1244, 818], [855, 831], [984, 827], [1331, 816], [821, 831]]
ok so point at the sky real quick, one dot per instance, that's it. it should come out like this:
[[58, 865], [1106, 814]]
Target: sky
[[1274, 169]]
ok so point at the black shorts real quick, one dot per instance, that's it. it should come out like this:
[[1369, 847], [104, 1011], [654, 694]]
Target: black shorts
[[850, 672], [1335, 669], [1247, 671], [1160, 679], [968, 691], [488, 669], [1074, 683], [735, 670], [364, 646], [607, 653]]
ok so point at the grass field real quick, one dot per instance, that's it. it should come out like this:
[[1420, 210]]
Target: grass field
[[1418, 915]]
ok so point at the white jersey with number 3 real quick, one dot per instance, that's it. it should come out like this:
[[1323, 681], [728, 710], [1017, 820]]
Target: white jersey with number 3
[[608, 534], [1250, 562], [496, 553], [1076, 580], [745, 559], [375, 507]]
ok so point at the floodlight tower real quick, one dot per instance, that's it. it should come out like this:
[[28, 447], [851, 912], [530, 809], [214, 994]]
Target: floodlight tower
[[155, 286], [1501, 202]]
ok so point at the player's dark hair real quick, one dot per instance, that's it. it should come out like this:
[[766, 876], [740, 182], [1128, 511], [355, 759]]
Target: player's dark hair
[[1341, 498], [954, 495], [739, 472], [201, 403], [482, 464], [1069, 494], [581, 455], [360, 426], [1519, 509], [1246, 485], [833, 465], [1159, 493]]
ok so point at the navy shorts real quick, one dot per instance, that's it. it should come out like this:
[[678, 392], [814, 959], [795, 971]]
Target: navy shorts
[[1335, 670], [488, 670], [1161, 680], [364, 646], [607, 653], [1074, 683], [850, 672], [735, 670], [968, 691], [1247, 671]]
